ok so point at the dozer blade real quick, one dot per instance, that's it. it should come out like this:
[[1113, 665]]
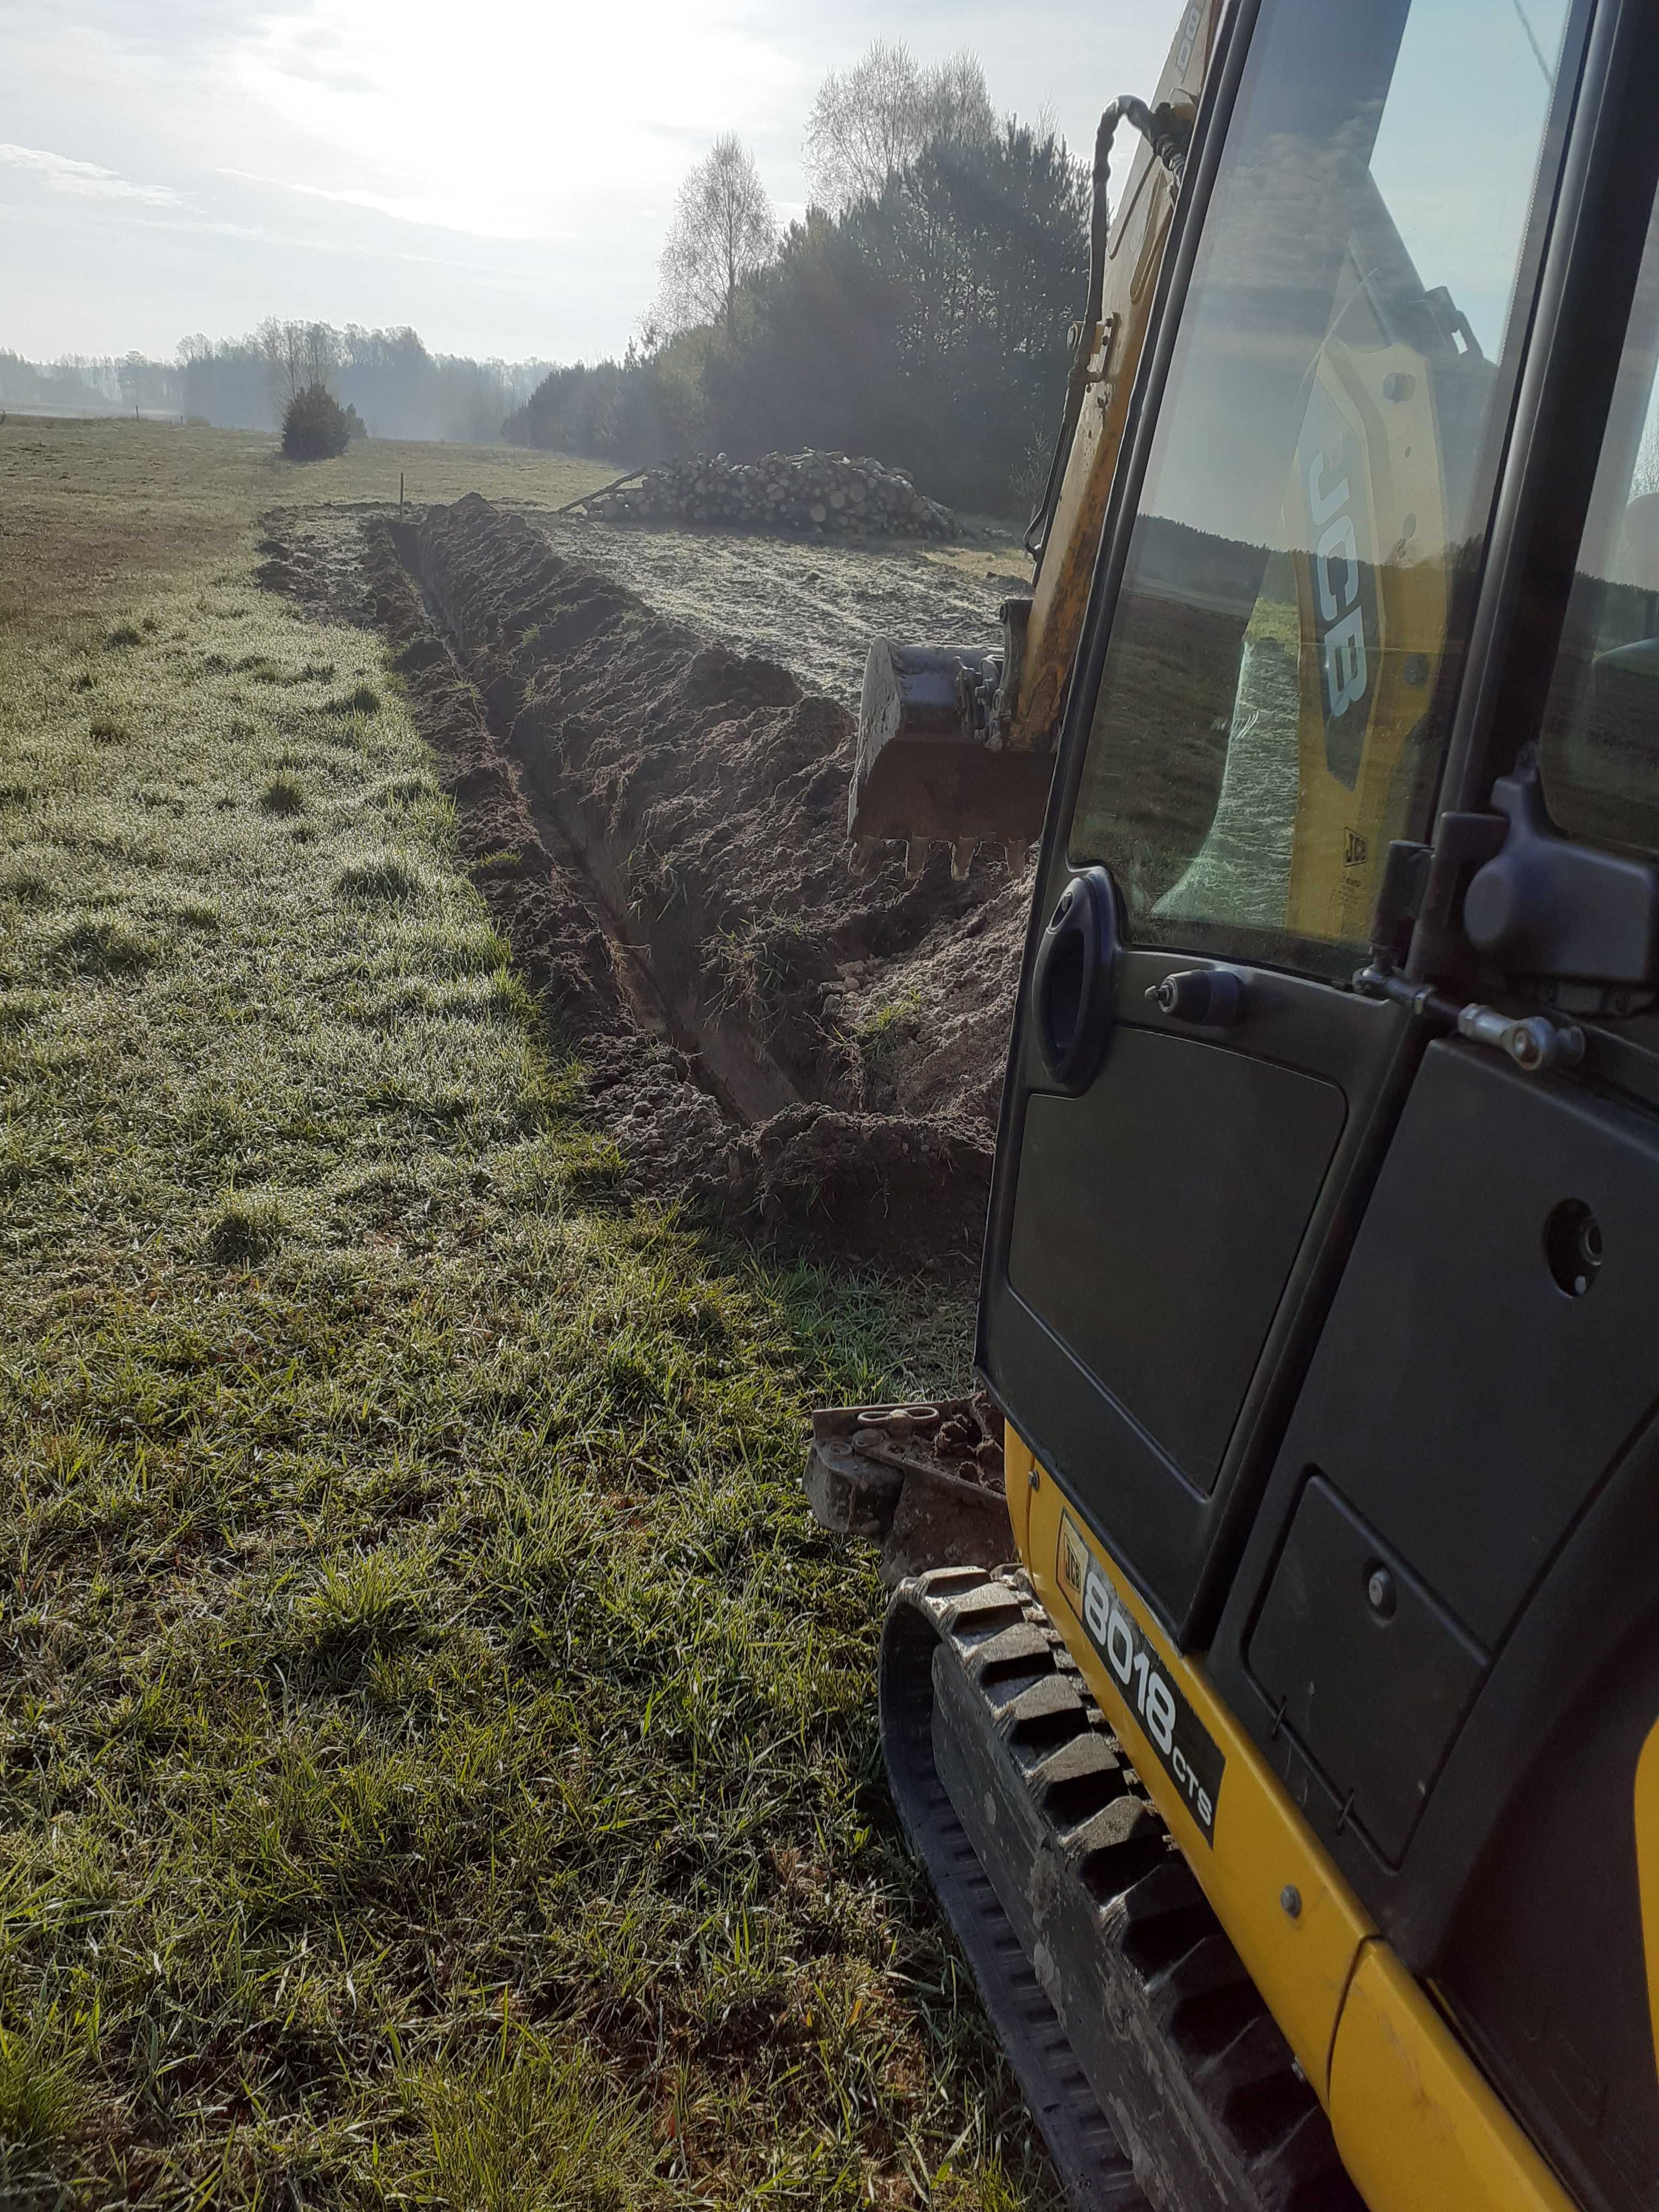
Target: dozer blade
[[923, 1481], [1147, 2056], [928, 767]]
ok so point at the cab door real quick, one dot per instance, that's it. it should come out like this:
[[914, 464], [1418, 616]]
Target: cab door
[[1198, 1101]]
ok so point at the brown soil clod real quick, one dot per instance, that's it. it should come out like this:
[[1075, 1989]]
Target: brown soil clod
[[659, 825]]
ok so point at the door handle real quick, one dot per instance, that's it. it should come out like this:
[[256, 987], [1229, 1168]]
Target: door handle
[[1072, 980]]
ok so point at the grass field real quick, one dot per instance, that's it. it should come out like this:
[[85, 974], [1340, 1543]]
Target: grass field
[[85, 507], [439, 1762]]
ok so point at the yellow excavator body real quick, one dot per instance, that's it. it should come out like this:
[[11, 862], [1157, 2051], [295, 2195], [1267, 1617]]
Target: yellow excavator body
[[1284, 1761]]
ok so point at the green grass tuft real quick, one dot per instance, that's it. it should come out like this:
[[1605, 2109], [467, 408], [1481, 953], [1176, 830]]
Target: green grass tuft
[[25, 880], [43, 2094], [196, 913], [364, 699], [540, 2133], [123, 634], [107, 945], [383, 879], [283, 794], [248, 1226], [370, 1600], [399, 791]]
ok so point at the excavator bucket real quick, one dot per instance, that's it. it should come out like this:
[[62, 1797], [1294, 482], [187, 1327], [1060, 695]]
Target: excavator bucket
[[931, 765]]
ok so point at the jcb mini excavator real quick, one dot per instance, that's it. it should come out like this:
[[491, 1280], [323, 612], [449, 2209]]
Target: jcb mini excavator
[[1294, 1793]]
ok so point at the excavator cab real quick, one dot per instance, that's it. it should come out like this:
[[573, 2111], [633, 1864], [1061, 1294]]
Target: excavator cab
[[1296, 1793]]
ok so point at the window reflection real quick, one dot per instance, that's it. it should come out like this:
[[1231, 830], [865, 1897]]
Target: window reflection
[[1263, 725], [1601, 750]]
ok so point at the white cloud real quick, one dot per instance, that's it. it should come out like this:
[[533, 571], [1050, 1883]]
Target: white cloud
[[499, 177], [84, 180], [417, 210], [528, 125]]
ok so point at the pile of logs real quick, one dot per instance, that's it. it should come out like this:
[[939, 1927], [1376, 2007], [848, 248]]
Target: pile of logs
[[822, 494]]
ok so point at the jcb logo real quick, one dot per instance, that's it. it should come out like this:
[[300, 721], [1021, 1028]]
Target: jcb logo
[[1188, 40], [1336, 581], [1340, 614]]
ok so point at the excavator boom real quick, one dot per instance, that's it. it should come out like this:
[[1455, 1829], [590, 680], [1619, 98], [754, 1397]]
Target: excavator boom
[[936, 722]]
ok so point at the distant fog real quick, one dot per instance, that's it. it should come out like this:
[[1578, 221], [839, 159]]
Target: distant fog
[[397, 387]]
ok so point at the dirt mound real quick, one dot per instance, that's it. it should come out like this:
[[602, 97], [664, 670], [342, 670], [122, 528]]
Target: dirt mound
[[764, 1032]]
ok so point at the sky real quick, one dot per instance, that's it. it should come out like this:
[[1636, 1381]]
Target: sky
[[498, 174]]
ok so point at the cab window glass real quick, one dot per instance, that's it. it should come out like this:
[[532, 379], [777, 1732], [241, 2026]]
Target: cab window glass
[[1600, 756], [1266, 721]]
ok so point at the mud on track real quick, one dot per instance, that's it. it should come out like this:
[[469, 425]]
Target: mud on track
[[659, 822]]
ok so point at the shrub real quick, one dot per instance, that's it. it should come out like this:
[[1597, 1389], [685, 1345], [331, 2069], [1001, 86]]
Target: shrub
[[315, 427]]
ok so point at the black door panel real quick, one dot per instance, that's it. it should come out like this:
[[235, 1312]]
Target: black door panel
[[1198, 1169], [1363, 1665], [1466, 1396], [1490, 1359], [1157, 1240]]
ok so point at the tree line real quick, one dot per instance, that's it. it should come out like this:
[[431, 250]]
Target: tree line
[[397, 388], [91, 384], [919, 311]]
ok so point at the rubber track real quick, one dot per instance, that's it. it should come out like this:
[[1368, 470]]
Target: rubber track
[[1152, 2066]]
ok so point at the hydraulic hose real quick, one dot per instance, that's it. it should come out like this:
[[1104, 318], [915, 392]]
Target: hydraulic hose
[[1169, 136]]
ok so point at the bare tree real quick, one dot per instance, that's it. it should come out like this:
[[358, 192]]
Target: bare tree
[[723, 230], [956, 101], [297, 356], [873, 118]]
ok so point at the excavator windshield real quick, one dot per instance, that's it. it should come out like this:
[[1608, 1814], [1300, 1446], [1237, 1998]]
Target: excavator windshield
[[1274, 700], [1600, 758]]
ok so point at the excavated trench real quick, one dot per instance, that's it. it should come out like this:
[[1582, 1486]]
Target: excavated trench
[[659, 824]]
